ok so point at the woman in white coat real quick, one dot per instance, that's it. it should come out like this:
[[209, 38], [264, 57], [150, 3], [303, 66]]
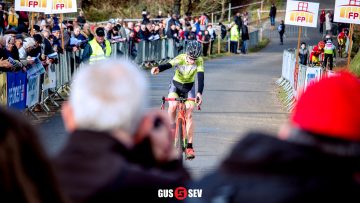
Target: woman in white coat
[[328, 22]]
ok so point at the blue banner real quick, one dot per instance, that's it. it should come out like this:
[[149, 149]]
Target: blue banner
[[16, 90]]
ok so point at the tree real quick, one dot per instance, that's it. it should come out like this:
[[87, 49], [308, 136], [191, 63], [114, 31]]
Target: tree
[[177, 6]]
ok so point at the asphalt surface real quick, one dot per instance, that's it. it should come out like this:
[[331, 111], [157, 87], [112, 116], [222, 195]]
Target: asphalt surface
[[240, 96]]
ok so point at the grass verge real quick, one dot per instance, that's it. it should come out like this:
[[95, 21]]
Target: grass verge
[[262, 44]]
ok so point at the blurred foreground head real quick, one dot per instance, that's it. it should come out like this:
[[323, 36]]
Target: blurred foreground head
[[26, 174], [330, 108], [106, 96]]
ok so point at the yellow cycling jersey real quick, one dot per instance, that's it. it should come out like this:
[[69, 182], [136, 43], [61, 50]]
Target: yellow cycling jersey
[[185, 72]]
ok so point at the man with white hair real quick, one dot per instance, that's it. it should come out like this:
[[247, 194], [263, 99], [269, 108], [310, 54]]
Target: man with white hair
[[116, 150]]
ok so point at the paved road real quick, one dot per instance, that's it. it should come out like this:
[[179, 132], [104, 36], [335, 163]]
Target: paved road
[[240, 95]]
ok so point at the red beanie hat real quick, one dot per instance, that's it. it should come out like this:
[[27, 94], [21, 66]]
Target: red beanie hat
[[330, 107]]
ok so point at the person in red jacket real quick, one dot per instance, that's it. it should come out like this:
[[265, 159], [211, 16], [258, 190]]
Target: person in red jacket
[[322, 21]]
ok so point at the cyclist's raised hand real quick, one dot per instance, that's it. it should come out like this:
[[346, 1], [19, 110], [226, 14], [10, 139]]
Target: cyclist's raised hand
[[199, 99], [155, 70]]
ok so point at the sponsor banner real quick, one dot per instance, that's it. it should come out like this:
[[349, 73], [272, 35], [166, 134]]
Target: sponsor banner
[[16, 90], [347, 11], [3, 89], [31, 5], [312, 75], [33, 91], [62, 6], [36, 69], [50, 78], [301, 13]]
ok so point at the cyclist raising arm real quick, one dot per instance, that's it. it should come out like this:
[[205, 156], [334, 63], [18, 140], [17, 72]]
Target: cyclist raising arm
[[187, 66]]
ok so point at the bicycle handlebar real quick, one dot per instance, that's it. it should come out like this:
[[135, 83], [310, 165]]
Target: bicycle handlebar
[[180, 99]]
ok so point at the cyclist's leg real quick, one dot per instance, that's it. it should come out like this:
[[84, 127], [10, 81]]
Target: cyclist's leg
[[172, 104], [188, 116]]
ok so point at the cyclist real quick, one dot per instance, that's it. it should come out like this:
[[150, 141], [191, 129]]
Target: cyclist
[[329, 52], [341, 41], [315, 55], [187, 66]]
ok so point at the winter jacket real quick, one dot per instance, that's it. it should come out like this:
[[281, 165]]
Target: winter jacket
[[261, 168]]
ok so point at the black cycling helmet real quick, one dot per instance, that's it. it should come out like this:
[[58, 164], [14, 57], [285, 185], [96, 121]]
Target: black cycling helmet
[[193, 49]]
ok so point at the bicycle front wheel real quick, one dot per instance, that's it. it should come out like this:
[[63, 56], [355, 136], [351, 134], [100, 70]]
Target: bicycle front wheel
[[179, 141]]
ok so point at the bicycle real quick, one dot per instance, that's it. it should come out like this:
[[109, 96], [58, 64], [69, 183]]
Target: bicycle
[[180, 141]]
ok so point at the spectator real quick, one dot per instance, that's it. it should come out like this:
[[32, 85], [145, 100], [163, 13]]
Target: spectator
[[328, 23], [174, 21], [141, 153], [23, 26], [159, 15], [238, 21], [120, 25], [167, 22], [303, 54], [36, 29], [28, 45], [57, 46], [314, 158], [272, 15], [205, 42], [12, 19], [234, 37], [203, 21], [173, 33], [245, 37], [97, 49], [246, 18], [212, 36], [146, 19], [87, 32], [2, 21], [197, 25], [161, 30], [281, 30], [47, 45], [223, 30], [26, 174], [81, 19], [23, 17], [322, 21]]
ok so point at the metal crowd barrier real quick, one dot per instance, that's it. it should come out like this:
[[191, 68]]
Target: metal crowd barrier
[[44, 88], [295, 84], [290, 31]]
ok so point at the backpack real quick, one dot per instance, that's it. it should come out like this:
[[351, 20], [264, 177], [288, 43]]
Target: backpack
[[12, 20]]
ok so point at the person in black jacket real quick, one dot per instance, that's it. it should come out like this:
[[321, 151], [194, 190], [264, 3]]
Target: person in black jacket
[[281, 30], [108, 157], [314, 158], [238, 20], [223, 30], [244, 38], [272, 15]]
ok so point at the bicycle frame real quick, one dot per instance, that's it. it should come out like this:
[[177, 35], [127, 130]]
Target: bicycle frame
[[180, 120]]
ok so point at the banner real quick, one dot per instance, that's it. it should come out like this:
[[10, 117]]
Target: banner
[[347, 11], [312, 75], [301, 13], [31, 5], [16, 92], [36, 69], [62, 6], [50, 78], [3, 89], [33, 91]]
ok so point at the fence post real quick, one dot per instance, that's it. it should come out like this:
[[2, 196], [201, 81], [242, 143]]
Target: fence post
[[212, 19], [219, 43], [229, 17]]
